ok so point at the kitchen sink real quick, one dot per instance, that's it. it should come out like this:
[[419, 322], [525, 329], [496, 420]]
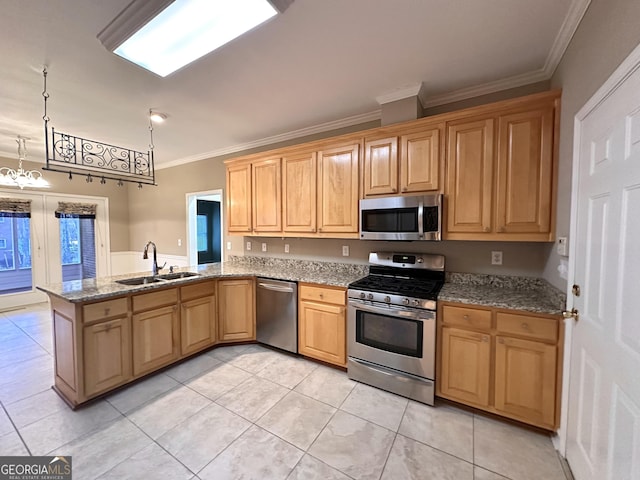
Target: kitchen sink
[[177, 275], [139, 280]]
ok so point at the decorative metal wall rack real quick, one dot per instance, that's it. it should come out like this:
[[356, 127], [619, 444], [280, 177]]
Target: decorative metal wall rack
[[96, 160]]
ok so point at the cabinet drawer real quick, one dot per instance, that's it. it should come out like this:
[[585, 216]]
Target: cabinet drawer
[[526, 326], [155, 299], [109, 308], [202, 289], [323, 294], [466, 317]]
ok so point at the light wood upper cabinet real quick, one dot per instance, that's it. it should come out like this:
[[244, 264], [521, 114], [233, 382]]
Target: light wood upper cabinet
[[238, 218], [266, 194], [405, 164], [469, 186], [236, 314], [420, 158], [525, 172], [338, 189], [299, 177], [381, 166], [501, 174]]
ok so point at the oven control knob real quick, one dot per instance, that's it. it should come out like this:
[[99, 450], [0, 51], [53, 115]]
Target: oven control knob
[[419, 260], [405, 301], [370, 296], [416, 302], [387, 299], [362, 295]]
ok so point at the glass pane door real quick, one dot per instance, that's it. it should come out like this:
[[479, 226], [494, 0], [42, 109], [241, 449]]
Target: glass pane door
[[77, 248], [15, 254]]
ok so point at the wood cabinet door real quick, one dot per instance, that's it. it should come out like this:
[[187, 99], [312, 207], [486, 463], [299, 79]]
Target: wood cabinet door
[[299, 172], [236, 314], [238, 218], [465, 366], [469, 177], [322, 332], [107, 355], [380, 166], [338, 189], [197, 324], [525, 380], [266, 194], [525, 172], [420, 155], [155, 339]]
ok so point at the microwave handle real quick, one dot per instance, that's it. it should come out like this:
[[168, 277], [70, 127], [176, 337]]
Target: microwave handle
[[421, 219]]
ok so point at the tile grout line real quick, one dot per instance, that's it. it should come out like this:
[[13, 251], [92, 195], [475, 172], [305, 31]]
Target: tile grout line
[[16, 428]]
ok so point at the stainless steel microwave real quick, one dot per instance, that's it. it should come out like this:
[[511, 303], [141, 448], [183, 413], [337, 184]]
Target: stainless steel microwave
[[401, 218]]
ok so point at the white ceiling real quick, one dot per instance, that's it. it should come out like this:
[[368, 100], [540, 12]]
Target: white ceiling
[[320, 65]]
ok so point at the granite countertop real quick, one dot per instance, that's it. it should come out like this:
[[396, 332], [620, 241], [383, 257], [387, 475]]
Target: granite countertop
[[333, 274], [515, 293]]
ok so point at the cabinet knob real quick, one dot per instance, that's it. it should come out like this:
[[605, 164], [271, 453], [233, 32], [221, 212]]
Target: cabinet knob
[[466, 317], [525, 326], [106, 312], [485, 339], [487, 229], [501, 340], [394, 190], [501, 229], [404, 189]]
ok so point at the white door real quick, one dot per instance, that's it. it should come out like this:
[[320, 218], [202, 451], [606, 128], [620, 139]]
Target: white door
[[603, 433]]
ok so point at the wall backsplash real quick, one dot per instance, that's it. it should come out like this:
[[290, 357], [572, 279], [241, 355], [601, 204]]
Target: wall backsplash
[[525, 259]]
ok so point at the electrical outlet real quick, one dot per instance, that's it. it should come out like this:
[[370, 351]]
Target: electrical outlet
[[563, 247], [179, 242], [248, 246], [496, 258], [264, 247], [345, 250], [286, 248], [228, 245]]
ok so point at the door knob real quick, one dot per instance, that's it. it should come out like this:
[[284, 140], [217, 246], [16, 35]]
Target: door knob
[[573, 313]]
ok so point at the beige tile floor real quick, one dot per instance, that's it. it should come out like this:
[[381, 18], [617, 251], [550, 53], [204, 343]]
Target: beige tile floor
[[245, 412]]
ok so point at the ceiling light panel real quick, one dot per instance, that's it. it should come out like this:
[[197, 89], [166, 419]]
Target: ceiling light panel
[[189, 29]]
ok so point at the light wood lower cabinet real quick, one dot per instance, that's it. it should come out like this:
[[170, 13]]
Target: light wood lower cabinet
[[155, 339], [322, 323], [197, 317], [236, 312], [466, 363], [505, 362], [107, 355]]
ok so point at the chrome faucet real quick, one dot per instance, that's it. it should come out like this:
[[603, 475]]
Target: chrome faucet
[[145, 255]]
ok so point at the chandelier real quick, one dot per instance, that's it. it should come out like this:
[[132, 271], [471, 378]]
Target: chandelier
[[21, 178]]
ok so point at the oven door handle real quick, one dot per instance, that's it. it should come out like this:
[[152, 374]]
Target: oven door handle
[[411, 314]]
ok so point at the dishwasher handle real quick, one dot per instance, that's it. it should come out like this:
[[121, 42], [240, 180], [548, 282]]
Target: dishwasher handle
[[275, 288]]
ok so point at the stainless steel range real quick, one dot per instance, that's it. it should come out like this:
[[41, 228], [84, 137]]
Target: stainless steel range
[[391, 324]]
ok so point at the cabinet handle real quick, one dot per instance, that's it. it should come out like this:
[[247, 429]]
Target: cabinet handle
[[107, 327], [322, 295], [106, 312]]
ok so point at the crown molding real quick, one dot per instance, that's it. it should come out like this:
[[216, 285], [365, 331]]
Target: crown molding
[[400, 94], [577, 9], [302, 132]]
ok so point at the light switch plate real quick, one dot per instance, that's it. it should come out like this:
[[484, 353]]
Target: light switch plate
[[228, 245], [264, 247], [345, 250], [496, 258], [562, 247], [286, 248], [248, 245]]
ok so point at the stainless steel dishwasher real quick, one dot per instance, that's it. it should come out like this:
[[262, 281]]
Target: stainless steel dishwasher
[[277, 313]]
